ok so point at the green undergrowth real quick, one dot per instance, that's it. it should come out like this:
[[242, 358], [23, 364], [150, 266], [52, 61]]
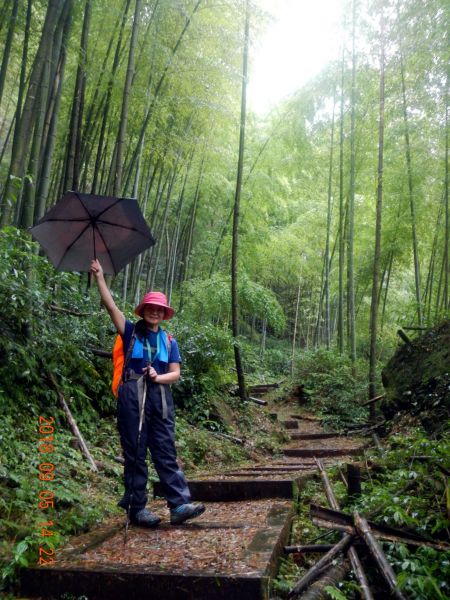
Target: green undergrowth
[[407, 487], [50, 321], [332, 387], [82, 498]]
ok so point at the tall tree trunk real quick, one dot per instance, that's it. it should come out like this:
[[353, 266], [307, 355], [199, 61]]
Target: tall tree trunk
[[28, 117], [149, 111], [7, 47], [190, 233], [327, 242], [101, 142], [29, 193], [71, 177], [294, 336], [446, 184], [237, 198], [120, 143], [411, 192], [351, 210], [340, 308], [52, 120], [377, 252]]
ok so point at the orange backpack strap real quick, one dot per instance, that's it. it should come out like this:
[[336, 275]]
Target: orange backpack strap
[[120, 361]]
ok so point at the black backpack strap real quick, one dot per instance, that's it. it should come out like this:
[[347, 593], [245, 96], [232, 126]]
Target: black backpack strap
[[129, 350]]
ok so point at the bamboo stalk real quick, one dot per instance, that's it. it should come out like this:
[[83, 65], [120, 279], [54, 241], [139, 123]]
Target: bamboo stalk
[[332, 576], [73, 424], [353, 555], [386, 570], [316, 570]]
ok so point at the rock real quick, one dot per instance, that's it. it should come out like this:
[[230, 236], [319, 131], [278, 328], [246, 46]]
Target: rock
[[417, 378]]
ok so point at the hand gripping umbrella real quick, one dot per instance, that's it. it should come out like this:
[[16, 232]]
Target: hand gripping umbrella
[[81, 227]]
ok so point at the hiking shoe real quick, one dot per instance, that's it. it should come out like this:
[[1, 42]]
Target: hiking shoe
[[124, 503], [144, 518], [182, 513]]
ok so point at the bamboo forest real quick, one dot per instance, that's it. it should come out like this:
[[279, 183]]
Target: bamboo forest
[[159, 163]]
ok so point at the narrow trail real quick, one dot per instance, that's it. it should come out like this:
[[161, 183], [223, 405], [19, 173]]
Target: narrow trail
[[231, 551]]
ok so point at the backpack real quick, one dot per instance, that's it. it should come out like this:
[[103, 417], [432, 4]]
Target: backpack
[[120, 361]]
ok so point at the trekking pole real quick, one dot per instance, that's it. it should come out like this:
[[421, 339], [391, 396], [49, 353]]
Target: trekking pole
[[138, 440]]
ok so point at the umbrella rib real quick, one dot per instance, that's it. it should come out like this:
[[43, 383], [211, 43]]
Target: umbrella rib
[[82, 204], [109, 207], [67, 220], [120, 226], [72, 243], [106, 246]]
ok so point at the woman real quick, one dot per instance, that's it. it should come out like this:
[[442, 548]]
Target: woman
[[151, 358]]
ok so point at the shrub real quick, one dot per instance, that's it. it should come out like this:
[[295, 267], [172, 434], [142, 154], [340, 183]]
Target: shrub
[[331, 386]]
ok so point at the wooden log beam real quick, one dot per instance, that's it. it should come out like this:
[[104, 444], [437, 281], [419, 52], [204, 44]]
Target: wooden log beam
[[69, 311], [353, 480], [402, 335], [385, 568], [372, 400], [102, 353], [258, 401], [352, 554], [331, 577], [332, 519], [316, 570], [308, 548], [73, 424]]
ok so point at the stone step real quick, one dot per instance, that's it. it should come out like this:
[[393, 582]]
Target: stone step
[[276, 469], [161, 563], [319, 452], [235, 488], [314, 436]]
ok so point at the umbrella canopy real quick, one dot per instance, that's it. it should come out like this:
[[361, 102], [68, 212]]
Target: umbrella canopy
[[81, 227]]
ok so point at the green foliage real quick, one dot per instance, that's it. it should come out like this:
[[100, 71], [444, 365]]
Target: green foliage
[[207, 354], [209, 300], [334, 593], [333, 389], [411, 493], [36, 340]]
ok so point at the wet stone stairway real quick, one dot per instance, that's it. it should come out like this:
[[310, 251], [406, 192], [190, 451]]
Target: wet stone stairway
[[232, 550]]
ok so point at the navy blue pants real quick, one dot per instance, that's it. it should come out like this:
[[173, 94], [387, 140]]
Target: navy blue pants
[[158, 435]]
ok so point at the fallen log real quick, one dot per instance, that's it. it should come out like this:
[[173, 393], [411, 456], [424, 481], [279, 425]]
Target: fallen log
[[225, 436], [366, 428], [73, 424], [372, 400], [308, 548], [337, 520], [352, 554], [68, 311], [316, 570], [315, 548], [353, 480], [401, 334], [377, 442], [331, 577], [102, 353], [258, 401], [262, 387], [385, 568]]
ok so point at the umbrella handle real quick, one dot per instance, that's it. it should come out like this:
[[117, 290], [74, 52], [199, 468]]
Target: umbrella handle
[[95, 249]]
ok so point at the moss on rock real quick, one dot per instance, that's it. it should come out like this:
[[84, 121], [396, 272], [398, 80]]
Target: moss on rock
[[417, 378]]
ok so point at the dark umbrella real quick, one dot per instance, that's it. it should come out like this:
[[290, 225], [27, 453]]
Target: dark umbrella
[[81, 227]]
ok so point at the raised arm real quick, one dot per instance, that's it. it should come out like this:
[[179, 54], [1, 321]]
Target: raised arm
[[117, 316]]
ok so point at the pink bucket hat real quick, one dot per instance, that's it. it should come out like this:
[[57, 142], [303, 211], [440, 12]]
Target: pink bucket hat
[[157, 298]]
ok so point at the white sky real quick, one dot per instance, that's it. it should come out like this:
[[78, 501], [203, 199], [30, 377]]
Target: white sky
[[297, 44]]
